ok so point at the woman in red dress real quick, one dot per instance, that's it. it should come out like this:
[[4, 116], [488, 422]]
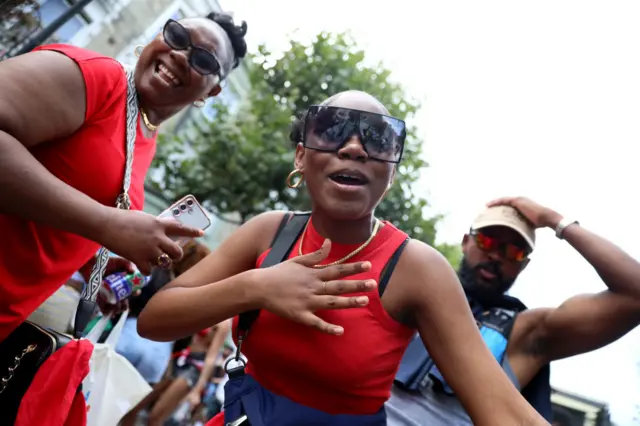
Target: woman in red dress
[[336, 317]]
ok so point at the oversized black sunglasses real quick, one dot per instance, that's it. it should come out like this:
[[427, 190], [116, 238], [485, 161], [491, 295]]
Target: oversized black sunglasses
[[332, 127], [202, 60]]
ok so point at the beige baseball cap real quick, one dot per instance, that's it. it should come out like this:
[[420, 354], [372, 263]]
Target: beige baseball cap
[[509, 217]]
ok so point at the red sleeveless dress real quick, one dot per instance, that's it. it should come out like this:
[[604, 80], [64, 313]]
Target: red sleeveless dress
[[348, 374]]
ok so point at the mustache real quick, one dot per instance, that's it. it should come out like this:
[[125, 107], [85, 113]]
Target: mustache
[[491, 266]]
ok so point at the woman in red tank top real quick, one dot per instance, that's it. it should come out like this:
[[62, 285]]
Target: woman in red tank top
[[63, 150], [325, 347], [62, 154]]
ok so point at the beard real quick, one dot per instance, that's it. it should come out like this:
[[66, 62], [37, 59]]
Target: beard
[[485, 291]]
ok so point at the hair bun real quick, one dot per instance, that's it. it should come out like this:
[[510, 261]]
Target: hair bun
[[235, 33]]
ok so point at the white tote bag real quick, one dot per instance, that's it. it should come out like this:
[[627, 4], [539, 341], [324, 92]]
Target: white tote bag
[[113, 386]]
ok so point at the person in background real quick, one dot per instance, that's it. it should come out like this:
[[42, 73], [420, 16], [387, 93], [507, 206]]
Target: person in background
[[496, 250], [326, 345], [58, 311], [149, 357], [63, 149], [210, 405], [193, 369]]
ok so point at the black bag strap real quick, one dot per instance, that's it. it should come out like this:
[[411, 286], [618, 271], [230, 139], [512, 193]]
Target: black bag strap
[[292, 225], [288, 233], [391, 265]]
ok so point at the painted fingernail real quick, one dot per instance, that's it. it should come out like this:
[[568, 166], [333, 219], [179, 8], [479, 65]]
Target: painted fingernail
[[362, 300]]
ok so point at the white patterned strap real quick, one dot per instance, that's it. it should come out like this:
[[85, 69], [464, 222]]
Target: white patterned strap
[[122, 202]]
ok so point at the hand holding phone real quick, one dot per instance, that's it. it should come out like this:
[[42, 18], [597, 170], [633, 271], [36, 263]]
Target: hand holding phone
[[188, 212]]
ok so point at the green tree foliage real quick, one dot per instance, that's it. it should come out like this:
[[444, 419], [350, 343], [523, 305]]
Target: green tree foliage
[[242, 159]]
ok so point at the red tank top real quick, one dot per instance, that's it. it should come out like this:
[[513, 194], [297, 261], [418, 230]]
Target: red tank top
[[35, 260], [348, 374]]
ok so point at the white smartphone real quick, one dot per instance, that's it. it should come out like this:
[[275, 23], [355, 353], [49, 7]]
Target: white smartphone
[[189, 212]]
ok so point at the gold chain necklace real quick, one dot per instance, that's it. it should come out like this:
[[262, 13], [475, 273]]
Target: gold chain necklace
[[376, 227], [146, 121]]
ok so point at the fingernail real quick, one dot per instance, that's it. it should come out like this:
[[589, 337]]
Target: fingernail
[[370, 284], [362, 300], [366, 265], [337, 330]]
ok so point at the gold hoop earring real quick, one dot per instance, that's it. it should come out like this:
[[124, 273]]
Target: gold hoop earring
[[296, 184], [199, 103], [138, 50]]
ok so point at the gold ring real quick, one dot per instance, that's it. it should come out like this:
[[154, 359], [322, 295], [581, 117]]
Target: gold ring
[[164, 261]]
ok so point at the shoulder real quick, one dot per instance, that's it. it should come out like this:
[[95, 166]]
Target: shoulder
[[104, 77], [260, 230], [76, 53], [267, 219], [91, 64], [55, 89], [421, 269], [422, 258]]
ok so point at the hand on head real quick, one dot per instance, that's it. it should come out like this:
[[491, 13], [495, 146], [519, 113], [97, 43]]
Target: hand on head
[[539, 215]]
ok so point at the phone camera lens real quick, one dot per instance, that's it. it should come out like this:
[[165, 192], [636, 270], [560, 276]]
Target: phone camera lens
[[183, 207], [176, 212], [189, 202]]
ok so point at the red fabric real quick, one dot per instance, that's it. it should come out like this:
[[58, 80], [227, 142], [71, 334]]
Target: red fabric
[[36, 260], [218, 420], [204, 332], [53, 394], [349, 374]]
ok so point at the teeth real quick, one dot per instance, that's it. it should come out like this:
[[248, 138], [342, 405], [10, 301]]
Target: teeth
[[169, 74]]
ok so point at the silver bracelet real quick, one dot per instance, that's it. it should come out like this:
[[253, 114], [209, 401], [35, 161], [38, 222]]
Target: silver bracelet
[[564, 223]]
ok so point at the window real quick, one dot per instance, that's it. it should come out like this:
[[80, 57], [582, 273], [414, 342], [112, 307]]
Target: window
[[51, 10]]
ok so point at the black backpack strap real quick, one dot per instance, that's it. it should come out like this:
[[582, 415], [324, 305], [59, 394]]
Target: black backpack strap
[[285, 219], [391, 265], [288, 233]]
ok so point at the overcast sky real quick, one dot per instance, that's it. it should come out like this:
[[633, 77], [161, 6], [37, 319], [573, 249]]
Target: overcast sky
[[540, 99]]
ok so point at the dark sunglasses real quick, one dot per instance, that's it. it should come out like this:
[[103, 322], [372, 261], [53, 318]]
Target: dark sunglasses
[[332, 127], [203, 61], [509, 251]]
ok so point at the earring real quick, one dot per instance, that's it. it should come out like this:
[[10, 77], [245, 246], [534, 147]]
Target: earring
[[199, 103], [138, 50], [386, 191], [296, 184]]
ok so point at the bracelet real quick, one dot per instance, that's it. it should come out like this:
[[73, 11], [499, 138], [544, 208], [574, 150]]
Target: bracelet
[[562, 225]]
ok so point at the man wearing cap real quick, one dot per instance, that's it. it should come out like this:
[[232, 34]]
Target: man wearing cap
[[524, 342]]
